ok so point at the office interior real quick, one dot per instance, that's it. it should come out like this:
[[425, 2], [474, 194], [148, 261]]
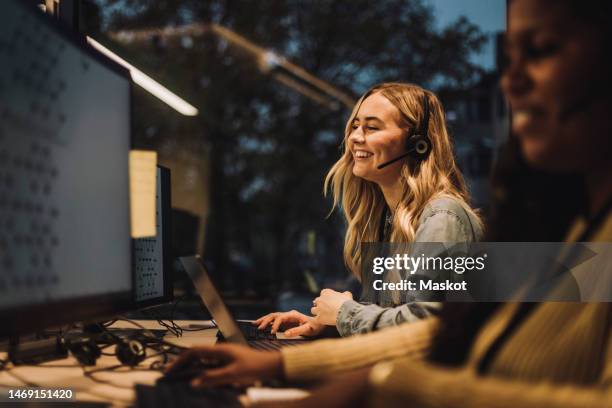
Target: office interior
[[245, 116]]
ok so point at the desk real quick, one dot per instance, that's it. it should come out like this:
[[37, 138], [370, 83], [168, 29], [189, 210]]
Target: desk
[[118, 386]]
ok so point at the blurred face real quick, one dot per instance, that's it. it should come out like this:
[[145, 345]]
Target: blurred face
[[376, 138], [554, 68]]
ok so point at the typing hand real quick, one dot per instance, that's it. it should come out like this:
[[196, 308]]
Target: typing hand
[[301, 324], [238, 365], [327, 306]]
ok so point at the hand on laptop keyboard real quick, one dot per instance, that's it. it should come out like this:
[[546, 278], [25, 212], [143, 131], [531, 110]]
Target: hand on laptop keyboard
[[252, 332], [298, 324]]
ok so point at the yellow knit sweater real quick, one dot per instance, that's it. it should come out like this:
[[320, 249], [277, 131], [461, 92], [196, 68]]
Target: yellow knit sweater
[[561, 355]]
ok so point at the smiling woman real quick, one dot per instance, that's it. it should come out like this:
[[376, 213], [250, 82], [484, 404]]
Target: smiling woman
[[378, 116], [417, 200]]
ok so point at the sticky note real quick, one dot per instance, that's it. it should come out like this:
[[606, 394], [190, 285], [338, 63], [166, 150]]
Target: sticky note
[[143, 184]]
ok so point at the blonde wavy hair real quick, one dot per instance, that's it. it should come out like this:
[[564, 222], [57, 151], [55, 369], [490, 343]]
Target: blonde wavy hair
[[363, 202]]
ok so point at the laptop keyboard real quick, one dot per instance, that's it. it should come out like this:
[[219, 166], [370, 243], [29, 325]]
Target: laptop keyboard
[[268, 345], [139, 333], [264, 339], [251, 332]]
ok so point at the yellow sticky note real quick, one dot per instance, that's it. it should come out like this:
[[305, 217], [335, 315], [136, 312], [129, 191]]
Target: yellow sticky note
[[143, 171]]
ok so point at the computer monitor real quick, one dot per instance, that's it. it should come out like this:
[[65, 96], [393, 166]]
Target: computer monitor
[[65, 135], [153, 256]]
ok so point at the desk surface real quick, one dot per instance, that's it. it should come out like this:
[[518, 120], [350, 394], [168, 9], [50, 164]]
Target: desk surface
[[115, 387]]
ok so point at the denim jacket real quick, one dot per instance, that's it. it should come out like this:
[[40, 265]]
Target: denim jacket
[[444, 220]]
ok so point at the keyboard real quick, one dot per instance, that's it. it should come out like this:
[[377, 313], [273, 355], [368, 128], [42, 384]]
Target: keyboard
[[270, 345], [139, 333], [251, 332], [181, 394], [264, 339]]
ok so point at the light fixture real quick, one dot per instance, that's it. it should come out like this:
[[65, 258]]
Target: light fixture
[[291, 74], [148, 83]]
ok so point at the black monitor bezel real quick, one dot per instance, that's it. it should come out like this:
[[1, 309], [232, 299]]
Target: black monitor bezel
[[166, 209], [36, 317]]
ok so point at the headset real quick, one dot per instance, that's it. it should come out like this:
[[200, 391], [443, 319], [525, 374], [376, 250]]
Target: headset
[[418, 144], [85, 350], [130, 352]]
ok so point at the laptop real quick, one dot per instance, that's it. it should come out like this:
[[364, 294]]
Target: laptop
[[231, 330]]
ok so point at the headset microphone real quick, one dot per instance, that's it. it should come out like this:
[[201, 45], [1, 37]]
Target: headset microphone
[[418, 144], [385, 164], [420, 149]]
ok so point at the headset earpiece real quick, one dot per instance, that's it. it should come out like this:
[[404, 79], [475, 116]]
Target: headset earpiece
[[419, 144], [130, 352], [86, 351], [419, 147]]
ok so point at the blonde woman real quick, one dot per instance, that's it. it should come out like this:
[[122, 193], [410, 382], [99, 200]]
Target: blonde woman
[[397, 181]]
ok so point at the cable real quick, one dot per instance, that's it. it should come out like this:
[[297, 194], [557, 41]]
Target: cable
[[48, 366], [115, 368], [160, 342], [198, 329], [154, 366], [61, 332], [150, 335], [101, 369], [109, 323], [79, 389], [158, 347], [20, 378], [110, 334], [172, 327], [6, 365], [106, 353], [89, 374]]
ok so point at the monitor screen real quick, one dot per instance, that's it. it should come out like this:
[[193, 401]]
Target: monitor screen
[[65, 246], [152, 256]]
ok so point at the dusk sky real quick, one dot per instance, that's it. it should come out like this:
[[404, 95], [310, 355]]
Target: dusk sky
[[489, 15]]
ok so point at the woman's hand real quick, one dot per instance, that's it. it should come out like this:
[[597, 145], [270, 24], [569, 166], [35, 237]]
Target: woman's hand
[[239, 364], [301, 324], [327, 305]]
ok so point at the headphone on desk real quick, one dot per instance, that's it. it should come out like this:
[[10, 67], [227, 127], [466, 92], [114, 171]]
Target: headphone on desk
[[85, 350], [129, 352], [418, 144]]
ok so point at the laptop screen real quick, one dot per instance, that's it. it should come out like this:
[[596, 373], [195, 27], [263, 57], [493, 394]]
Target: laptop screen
[[212, 299]]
